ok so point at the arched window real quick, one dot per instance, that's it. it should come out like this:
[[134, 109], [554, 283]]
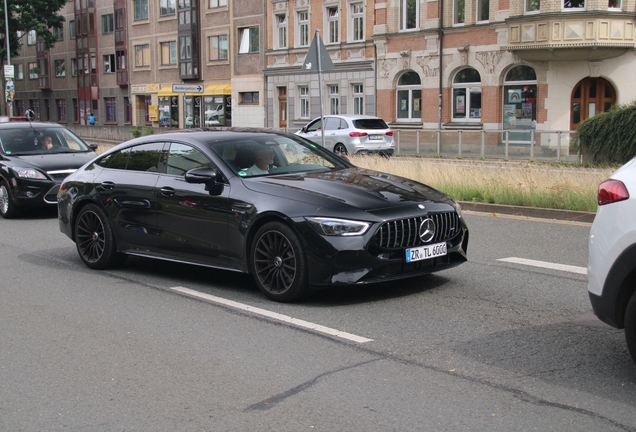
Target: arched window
[[520, 102], [467, 95], [409, 97]]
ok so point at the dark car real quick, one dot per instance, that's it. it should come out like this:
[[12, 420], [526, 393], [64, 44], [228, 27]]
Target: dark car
[[310, 219], [34, 159]]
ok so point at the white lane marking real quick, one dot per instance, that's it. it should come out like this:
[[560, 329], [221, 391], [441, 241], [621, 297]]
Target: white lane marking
[[548, 265], [273, 315]]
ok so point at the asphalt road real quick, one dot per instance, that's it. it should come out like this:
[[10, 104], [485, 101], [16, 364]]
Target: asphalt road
[[490, 345]]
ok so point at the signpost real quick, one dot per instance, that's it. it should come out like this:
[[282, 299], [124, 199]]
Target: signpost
[[188, 88], [318, 59]]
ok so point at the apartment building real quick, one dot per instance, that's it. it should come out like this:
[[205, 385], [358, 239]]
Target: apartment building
[[346, 29], [503, 64]]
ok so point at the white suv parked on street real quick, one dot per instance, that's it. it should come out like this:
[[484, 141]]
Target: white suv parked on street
[[612, 262]]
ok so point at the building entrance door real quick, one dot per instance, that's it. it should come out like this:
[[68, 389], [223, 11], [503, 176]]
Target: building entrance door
[[282, 107], [590, 96]]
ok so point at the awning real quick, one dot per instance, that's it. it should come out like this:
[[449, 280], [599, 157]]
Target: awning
[[218, 89], [166, 91]]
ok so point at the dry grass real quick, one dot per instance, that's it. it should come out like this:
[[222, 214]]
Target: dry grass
[[512, 183]]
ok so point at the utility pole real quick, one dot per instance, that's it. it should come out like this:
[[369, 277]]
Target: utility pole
[[6, 37]]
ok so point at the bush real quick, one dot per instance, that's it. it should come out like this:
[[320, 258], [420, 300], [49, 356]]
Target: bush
[[609, 136], [136, 132]]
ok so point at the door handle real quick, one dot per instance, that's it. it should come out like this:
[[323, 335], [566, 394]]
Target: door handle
[[168, 191], [108, 185]]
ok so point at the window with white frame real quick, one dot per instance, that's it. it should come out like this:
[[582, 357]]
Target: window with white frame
[[573, 5], [168, 53], [459, 12], [142, 55], [217, 3], [107, 23], [33, 70], [616, 5], [218, 47], [334, 99], [409, 97], [409, 14], [303, 101], [60, 68], [109, 63], [533, 6], [333, 25], [358, 98], [71, 29], [483, 10], [467, 95], [31, 37], [73, 67], [248, 40], [281, 31], [58, 33], [303, 28], [357, 22], [19, 71], [167, 7]]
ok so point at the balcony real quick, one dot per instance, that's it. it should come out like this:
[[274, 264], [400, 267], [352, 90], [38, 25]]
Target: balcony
[[589, 36]]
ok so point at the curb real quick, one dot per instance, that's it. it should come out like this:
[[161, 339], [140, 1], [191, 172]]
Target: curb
[[542, 213]]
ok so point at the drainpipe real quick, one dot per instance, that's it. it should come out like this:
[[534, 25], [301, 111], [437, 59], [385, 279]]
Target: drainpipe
[[441, 52]]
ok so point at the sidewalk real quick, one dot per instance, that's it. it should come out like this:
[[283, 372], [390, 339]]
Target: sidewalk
[[542, 213]]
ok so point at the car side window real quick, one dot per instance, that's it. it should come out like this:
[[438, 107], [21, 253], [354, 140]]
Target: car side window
[[315, 126], [343, 124], [117, 160], [182, 158], [145, 157], [332, 123]]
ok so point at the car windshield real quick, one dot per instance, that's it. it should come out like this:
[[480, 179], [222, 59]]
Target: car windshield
[[39, 140], [370, 124], [268, 154]]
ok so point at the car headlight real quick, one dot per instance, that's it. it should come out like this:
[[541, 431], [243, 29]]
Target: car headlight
[[30, 173], [338, 227]]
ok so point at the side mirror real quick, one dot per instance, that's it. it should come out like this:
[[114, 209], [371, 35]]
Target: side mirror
[[93, 146], [201, 175]]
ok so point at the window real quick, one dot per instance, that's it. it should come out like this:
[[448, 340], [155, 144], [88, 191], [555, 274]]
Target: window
[[19, 71], [615, 5], [60, 68], [281, 31], [58, 33], [182, 158], [483, 10], [167, 7], [467, 95], [31, 37], [459, 11], [169, 53], [573, 4], [303, 95], [303, 28], [127, 110], [109, 63], [73, 67], [107, 23], [185, 55], [33, 70], [358, 99], [333, 21], [142, 55], [75, 110], [409, 14], [141, 9], [71, 29], [249, 40], [533, 5], [218, 47], [409, 97], [61, 109], [248, 98], [110, 104], [217, 3], [520, 103], [334, 99], [357, 22]]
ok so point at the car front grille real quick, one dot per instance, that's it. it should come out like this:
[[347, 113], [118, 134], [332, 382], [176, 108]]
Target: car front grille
[[404, 233], [60, 174]]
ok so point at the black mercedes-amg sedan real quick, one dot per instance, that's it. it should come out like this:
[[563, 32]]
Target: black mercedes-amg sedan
[[271, 204], [34, 159]]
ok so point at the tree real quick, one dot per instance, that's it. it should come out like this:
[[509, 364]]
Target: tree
[[25, 15]]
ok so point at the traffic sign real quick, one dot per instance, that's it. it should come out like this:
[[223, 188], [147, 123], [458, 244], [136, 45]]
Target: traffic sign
[[187, 88]]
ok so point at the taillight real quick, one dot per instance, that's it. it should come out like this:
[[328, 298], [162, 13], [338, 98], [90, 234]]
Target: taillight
[[611, 191], [390, 133], [62, 187], [357, 134]]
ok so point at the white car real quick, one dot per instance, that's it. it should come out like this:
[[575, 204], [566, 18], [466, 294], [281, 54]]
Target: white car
[[611, 271], [349, 134]]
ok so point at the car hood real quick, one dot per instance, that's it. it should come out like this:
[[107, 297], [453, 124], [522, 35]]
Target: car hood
[[53, 161], [353, 188]]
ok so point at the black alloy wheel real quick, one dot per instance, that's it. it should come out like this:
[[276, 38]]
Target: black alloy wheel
[[8, 209], [340, 149], [630, 326], [278, 263], [94, 239]]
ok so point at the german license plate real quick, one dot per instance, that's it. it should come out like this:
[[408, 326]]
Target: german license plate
[[375, 137], [426, 252]]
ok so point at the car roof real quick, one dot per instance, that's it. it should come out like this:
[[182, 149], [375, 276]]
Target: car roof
[[353, 116], [204, 135], [27, 125]]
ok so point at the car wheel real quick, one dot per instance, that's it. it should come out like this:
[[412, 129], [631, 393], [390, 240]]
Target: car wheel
[[340, 149], [8, 209], [630, 326], [94, 239], [277, 263]]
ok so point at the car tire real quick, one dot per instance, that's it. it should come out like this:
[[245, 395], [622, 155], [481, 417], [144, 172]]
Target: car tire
[[340, 149], [95, 240], [8, 209], [630, 326], [278, 264]]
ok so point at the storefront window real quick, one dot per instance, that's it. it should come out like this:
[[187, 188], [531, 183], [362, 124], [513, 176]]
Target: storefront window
[[192, 112], [467, 95], [169, 111], [409, 97], [520, 102], [214, 111]]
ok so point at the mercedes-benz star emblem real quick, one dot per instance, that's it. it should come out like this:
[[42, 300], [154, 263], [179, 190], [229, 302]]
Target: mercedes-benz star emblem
[[427, 230], [421, 206]]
